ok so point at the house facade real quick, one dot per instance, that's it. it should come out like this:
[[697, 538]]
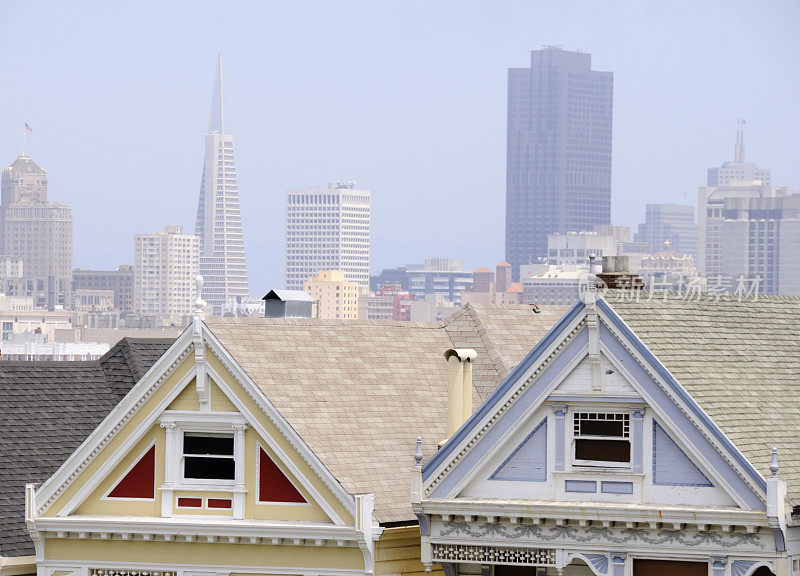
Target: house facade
[[247, 446], [636, 438]]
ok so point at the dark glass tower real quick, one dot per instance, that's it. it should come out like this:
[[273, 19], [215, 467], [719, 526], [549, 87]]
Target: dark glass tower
[[558, 155]]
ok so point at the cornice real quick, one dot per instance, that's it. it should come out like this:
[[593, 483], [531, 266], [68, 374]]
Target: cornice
[[198, 530], [590, 513]]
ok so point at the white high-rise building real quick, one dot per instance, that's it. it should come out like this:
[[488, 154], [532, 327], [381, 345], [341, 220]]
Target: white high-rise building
[[327, 229], [219, 219], [740, 191], [165, 267]]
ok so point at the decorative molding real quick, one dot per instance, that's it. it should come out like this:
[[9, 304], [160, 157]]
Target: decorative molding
[[112, 419], [509, 401], [80, 568], [594, 534], [741, 567], [129, 572], [599, 563], [186, 529], [494, 555]]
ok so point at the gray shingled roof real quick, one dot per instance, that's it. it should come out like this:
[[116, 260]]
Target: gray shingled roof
[[47, 409], [740, 361]]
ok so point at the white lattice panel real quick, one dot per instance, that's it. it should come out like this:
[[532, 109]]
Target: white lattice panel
[[122, 572], [494, 555]]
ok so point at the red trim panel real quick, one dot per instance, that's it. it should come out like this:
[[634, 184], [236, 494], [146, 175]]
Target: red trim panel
[[219, 503], [190, 502], [273, 485], [140, 481]]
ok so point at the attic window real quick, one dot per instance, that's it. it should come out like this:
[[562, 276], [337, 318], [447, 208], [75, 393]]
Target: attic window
[[208, 456], [602, 438]]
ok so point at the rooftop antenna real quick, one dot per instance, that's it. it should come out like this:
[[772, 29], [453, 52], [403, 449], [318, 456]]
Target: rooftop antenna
[[28, 130], [739, 156]]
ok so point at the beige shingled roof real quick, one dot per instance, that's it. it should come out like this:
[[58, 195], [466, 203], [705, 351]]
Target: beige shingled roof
[[360, 392], [740, 361]]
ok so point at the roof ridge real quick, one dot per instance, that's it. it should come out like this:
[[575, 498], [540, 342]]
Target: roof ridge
[[498, 362]]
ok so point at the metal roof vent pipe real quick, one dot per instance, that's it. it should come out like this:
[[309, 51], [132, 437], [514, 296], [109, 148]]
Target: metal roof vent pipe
[[459, 387]]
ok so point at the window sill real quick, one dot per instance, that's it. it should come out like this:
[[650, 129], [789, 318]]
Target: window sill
[[205, 487], [616, 473]]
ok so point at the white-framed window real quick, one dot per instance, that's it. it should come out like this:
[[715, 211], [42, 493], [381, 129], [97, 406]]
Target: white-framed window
[[601, 438], [204, 451], [207, 456]]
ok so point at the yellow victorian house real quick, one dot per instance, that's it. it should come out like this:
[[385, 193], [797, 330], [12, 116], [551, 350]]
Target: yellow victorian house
[[248, 446]]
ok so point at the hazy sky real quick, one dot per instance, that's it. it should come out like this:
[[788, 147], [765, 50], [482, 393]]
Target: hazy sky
[[407, 98]]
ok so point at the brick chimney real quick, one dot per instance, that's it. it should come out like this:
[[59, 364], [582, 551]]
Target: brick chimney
[[616, 274]]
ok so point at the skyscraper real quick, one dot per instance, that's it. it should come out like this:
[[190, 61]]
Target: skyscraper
[[750, 186], [165, 267], [38, 232], [327, 229], [219, 219], [558, 154], [669, 227]]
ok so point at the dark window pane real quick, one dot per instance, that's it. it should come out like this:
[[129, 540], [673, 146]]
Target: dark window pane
[[603, 450], [668, 568], [197, 444], [209, 468], [602, 428]]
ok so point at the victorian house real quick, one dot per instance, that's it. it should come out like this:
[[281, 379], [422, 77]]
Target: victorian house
[[248, 446], [643, 435]]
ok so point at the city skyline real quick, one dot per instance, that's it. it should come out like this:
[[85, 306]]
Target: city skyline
[[455, 143]]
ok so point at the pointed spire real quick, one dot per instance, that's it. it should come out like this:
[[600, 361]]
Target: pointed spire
[[739, 156], [219, 121]]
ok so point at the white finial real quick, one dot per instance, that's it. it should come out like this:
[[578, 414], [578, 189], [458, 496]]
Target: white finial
[[199, 303], [773, 467], [592, 276], [418, 452]]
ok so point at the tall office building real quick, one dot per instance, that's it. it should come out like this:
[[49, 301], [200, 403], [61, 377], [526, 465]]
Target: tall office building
[[165, 266], [668, 227], [38, 232], [558, 155], [760, 238], [327, 229], [737, 179], [219, 219]]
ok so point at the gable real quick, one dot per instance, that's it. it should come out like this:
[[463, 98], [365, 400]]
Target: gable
[[606, 409], [528, 461], [155, 441], [671, 465]]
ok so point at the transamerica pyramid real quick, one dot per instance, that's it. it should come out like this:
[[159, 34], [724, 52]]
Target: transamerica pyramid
[[219, 219]]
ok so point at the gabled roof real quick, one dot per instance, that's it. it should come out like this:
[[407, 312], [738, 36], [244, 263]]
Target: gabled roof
[[359, 392], [740, 361], [47, 409]]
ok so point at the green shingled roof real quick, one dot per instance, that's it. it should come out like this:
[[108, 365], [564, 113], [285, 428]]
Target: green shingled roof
[[739, 360]]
